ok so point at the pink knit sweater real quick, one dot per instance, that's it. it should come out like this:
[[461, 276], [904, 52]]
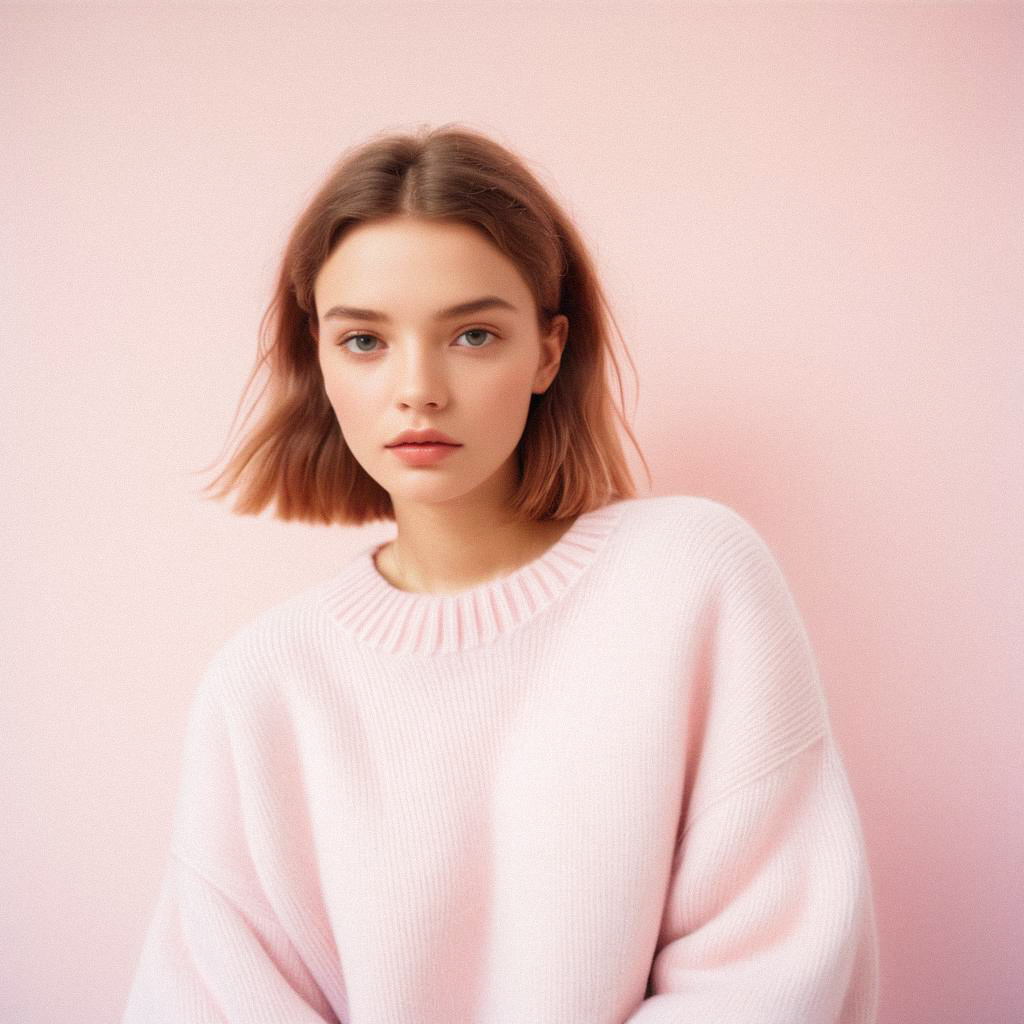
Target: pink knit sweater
[[601, 789]]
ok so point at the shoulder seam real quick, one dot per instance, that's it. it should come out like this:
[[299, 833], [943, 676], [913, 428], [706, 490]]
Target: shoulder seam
[[264, 915], [820, 737]]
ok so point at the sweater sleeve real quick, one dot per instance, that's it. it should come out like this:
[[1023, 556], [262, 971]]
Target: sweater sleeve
[[769, 915], [214, 951]]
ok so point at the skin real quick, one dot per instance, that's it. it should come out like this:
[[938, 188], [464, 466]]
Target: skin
[[455, 528]]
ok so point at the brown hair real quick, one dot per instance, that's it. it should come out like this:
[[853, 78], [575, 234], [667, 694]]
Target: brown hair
[[570, 458]]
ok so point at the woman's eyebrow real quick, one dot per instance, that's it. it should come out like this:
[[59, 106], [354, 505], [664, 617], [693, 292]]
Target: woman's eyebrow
[[461, 309]]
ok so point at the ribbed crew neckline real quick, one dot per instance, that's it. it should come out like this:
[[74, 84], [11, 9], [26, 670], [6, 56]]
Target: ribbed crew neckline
[[397, 621]]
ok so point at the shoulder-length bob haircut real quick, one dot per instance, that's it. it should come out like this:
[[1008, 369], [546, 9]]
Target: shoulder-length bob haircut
[[570, 458]]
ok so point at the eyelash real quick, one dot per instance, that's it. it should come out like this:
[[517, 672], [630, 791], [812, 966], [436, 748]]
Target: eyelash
[[342, 342]]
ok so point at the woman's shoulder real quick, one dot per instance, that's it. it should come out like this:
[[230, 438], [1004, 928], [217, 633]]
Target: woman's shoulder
[[688, 518], [266, 649], [694, 507], [683, 536]]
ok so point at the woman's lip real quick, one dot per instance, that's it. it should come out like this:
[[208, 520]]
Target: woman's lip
[[423, 455], [423, 444]]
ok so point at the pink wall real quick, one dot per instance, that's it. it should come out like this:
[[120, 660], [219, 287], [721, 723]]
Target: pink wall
[[809, 220]]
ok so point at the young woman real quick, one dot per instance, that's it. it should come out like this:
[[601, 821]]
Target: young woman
[[553, 753]]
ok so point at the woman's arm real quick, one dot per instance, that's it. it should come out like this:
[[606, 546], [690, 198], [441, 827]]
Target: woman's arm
[[769, 916], [214, 951], [205, 958]]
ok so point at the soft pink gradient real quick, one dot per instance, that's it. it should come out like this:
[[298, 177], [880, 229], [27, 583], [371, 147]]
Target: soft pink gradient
[[810, 222]]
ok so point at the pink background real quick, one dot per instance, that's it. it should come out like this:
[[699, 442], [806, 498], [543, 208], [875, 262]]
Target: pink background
[[809, 221]]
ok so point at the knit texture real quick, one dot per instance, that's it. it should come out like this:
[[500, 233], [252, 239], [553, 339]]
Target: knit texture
[[602, 789]]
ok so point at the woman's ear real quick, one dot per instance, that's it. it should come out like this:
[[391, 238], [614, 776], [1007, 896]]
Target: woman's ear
[[560, 328], [552, 346]]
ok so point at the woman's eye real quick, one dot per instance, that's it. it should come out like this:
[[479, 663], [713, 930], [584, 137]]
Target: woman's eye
[[344, 343], [352, 337], [477, 330]]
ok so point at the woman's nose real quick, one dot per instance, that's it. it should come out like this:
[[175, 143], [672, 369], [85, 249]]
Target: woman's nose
[[420, 380]]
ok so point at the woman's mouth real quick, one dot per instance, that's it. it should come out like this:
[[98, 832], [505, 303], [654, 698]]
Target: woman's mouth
[[423, 453]]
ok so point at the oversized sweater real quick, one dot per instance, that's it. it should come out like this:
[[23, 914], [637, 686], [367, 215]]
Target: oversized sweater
[[601, 789]]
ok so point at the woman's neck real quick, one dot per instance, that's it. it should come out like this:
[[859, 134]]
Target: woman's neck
[[444, 565]]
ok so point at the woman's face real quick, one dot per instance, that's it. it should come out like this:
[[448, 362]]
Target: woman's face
[[394, 360]]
